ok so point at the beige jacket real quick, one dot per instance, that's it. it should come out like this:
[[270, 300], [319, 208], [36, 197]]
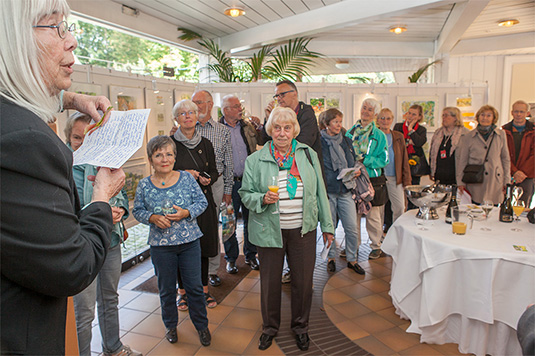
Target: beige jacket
[[472, 150]]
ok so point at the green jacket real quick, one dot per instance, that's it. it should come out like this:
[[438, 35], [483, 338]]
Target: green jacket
[[376, 156], [264, 226]]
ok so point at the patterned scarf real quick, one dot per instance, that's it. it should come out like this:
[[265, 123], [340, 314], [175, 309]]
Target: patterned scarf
[[410, 148], [360, 137], [287, 162], [485, 131], [338, 157]]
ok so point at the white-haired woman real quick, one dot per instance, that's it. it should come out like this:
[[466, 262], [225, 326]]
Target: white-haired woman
[[371, 149], [50, 247], [198, 158], [280, 224]]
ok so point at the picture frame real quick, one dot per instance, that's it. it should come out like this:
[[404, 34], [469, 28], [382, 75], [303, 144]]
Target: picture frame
[[134, 170], [323, 101], [161, 113], [429, 105], [468, 104]]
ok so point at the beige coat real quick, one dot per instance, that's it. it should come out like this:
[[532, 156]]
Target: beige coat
[[472, 150]]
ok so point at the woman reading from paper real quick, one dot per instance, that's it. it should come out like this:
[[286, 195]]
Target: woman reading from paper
[[50, 247]]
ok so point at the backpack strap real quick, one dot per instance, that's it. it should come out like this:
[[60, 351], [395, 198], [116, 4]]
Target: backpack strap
[[308, 156]]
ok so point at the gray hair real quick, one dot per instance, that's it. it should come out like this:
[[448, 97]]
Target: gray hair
[[73, 119], [203, 91], [522, 102], [185, 104], [22, 73], [283, 115], [158, 142], [226, 99], [374, 103]]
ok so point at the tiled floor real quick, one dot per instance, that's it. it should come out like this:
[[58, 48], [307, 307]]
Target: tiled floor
[[359, 306]]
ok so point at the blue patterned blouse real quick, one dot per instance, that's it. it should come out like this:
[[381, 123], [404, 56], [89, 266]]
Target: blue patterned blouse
[[186, 193]]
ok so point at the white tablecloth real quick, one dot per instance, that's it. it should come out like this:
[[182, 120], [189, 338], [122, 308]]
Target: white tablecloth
[[469, 289]]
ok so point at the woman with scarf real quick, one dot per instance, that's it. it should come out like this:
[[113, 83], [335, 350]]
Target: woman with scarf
[[443, 145], [338, 154], [473, 149], [280, 224], [415, 137], [198, 158], [371, 149]]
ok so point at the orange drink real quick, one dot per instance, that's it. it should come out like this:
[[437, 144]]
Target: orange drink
[[273, 188], [458, 228], [518, 209]]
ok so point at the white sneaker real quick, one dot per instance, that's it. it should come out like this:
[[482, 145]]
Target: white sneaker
[[124, 351]]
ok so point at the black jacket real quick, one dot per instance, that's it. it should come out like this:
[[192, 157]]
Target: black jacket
[[50, 249]]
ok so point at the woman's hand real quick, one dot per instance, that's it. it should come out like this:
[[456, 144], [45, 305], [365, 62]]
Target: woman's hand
[[328, 239], [193, 172], [204, 181], [270, 198], [161, 221], [107, 183], [117, 214], [179, 215]]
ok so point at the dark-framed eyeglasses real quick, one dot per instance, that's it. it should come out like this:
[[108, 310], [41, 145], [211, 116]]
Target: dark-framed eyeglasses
[[281, 95], [61, 27]]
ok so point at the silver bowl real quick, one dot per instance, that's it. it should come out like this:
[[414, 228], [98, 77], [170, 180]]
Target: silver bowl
[[432, 196]]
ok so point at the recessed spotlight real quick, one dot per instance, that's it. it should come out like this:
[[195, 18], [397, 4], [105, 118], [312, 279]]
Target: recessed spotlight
[[234, 11], [508, 23], [342, 64], [398, 29]]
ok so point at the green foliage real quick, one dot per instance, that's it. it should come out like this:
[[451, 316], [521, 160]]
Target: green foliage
[[416, 75], [292, 60], [109, 48], [188, 35], [360, 79], [224, 66], [257, 62]]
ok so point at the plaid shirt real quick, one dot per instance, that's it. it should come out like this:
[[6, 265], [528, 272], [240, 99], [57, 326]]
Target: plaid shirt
[[219, 136]]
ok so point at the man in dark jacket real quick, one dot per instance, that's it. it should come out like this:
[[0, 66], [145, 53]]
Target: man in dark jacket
[[520, 135], [243, 140]]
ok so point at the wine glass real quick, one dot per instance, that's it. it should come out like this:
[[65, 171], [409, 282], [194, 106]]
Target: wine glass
[[273, 185], [487, 208], [167, 208], [518, 208], [517, 193]]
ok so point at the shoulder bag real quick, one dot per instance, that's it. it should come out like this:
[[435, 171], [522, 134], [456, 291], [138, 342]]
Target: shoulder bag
[[475, 173]]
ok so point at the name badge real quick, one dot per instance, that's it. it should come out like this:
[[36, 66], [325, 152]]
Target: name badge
[[443, 154]]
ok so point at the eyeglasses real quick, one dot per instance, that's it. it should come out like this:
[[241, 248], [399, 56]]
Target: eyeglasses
[[281, 95], [183, 114], [61, 27], [200, 102]]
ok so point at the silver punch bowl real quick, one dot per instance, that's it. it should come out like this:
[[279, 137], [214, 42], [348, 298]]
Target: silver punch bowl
[[433, 196]]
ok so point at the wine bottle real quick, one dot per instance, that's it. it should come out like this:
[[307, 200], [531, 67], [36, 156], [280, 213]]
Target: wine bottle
[[453, 203], [506, 208]]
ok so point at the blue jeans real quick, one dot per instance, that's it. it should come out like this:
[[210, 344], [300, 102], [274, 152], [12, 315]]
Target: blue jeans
[[103, 291], [343, 207], [167, 260], [231, 245]]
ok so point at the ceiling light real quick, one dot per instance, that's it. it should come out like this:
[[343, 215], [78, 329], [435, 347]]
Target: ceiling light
[[508, 23], [234, 11], [398, 29], [342, 64]]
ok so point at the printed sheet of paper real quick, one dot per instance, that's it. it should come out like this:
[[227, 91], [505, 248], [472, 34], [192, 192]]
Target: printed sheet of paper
[[114, 143]]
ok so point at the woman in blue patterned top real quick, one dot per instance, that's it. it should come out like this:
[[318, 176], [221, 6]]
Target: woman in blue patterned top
[[174, 234]]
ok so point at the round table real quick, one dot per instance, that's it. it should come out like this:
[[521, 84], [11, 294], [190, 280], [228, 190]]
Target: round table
[[468, 289]]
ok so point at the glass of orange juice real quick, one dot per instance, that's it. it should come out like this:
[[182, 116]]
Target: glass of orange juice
[[518, 208], [273, 185], [462, 220]]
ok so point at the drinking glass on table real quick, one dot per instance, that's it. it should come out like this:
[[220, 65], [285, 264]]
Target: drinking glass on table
[[273, 185], [518, 208], [462, 220], [487, 208], [424, 209]]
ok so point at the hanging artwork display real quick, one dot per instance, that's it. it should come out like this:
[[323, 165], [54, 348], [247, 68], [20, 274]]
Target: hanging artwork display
[[429, 105]]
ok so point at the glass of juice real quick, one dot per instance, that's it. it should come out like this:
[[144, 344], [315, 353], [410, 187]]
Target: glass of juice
[[518, 208], [461, 220], [273, 185]]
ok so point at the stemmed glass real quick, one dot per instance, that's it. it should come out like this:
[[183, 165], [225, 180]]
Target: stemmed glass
[[518, 208], [487, 208], [273, 185], [167, 208]]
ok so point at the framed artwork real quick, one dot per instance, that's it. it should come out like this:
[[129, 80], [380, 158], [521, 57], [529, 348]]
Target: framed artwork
[[161, 113], [468, 104], [86, 88], [323, 101], [429, 105], [134, 170], [180, 94]]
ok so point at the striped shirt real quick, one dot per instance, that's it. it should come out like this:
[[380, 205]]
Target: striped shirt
[[219, 136], [291, 210]]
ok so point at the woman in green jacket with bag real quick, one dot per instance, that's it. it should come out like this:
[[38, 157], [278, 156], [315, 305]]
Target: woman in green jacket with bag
[[280, 224]]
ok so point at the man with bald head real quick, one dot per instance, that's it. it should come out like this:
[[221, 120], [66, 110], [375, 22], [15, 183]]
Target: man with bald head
[[244, 140]]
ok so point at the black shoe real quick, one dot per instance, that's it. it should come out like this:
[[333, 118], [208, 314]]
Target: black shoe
[[205, 337], [253, 263], [231, 268], [214, 280], [265, 341], [355, 267], [303, 341], [171, 335], [331, 266]]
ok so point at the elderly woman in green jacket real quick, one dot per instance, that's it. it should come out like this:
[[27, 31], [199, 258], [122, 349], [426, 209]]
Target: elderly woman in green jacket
[[280, 224]]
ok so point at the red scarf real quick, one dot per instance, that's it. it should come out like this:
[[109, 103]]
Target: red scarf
[[410, 148]]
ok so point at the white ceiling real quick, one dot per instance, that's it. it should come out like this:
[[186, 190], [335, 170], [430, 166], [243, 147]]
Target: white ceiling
[[352, 30]]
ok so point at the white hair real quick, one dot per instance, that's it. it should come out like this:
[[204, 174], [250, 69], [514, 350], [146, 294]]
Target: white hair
[[22, 73], [184, 104], [374, 103]]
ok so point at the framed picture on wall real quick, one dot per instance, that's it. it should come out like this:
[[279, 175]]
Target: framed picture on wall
[[323, 101], [134, 171], [429, 105], [86, 88], [161, 115], [468, 104]]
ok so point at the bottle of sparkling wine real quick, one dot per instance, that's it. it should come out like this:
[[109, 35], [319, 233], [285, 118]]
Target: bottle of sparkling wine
[[453, 203], [506, 208]]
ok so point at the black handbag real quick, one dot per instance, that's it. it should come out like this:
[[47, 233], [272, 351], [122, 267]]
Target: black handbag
[[381, 192], [475, 173], [421, 166]]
